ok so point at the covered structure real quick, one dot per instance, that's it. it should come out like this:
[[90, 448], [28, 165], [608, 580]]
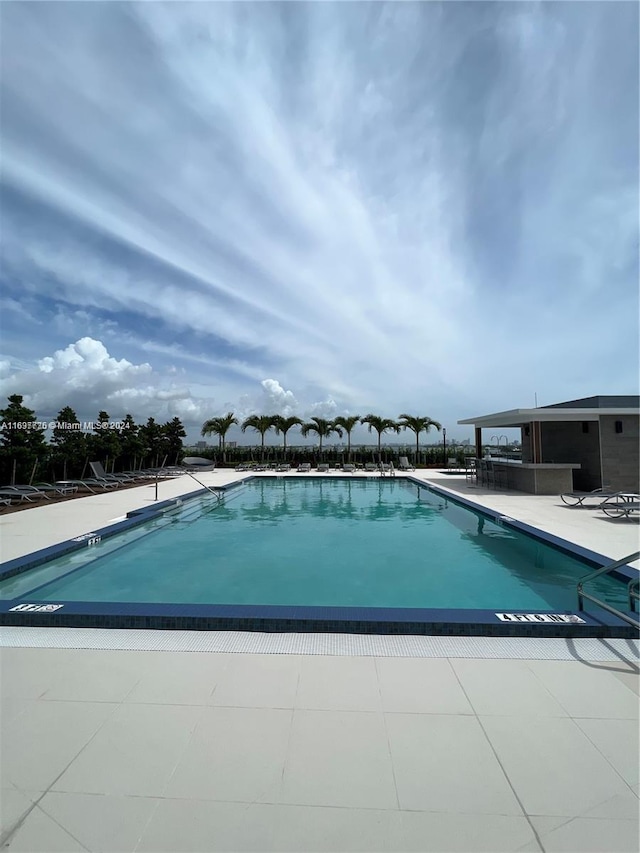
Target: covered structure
[[580, 444]]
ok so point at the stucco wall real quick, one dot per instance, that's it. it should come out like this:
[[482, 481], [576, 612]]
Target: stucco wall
[[621, 452]]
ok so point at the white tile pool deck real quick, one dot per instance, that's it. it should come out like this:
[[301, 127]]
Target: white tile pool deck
[[407, 745]]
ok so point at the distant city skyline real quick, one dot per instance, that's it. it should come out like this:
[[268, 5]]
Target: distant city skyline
[[318, 208]]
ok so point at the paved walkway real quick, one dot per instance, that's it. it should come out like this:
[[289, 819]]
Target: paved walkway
[[114, 750], [176, 751]]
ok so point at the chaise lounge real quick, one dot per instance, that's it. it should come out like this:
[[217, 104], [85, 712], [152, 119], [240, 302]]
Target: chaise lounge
[[405, 465], [622, 505], [582, 499]]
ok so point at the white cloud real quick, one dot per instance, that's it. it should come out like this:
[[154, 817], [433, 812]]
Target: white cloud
[[358, 208]]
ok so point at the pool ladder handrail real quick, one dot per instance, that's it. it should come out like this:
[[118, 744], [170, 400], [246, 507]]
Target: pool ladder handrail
[[217, 493], [632, 590]]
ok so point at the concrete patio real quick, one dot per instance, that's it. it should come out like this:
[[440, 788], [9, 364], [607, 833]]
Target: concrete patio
[[163, 741]]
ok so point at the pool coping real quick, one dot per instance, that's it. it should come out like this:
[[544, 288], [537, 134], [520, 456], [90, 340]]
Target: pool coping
[[305, 619]]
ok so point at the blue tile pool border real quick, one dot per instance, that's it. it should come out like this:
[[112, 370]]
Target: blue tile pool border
[[307, 619]]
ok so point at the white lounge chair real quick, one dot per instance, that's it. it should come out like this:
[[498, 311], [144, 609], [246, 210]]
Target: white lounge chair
[[405, 465]]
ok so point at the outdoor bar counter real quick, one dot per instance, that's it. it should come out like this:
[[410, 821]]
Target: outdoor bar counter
[[536, 478]]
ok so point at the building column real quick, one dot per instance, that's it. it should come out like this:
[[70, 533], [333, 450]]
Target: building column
[[536, 442], [478, 442]]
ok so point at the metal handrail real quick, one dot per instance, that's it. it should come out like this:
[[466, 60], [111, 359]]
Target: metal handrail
[[603, 571], [217, 493]]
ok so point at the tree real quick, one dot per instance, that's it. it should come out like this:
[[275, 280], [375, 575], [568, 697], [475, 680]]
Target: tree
[[69, 443], [380, 425], [151, 438], [23, 442], [283, 425], [131, 443], [347, 424], [261, 424], [172, 434], [417, 425], [220, 427], [104, 444], [322, 427]]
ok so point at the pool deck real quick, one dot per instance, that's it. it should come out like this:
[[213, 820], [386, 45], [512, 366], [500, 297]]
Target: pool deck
[[190, 741]]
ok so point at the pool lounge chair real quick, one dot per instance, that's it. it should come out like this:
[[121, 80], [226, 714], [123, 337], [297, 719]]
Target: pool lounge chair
[[283, 467], [370, 467], [405, 465], [622, 505], [349, 468], [323, 468], [63, 491], [304, 468], [91, 484], [151, 473], [582, 499], [13, 494], [47, 489], [99, 473], [30, 491]]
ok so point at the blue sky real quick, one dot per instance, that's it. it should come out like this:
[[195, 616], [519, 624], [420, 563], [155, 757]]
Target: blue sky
[[318, 208]]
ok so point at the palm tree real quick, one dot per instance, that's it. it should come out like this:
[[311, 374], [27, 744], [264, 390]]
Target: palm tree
[[417, 425], [220, 427], [322, 427], [347, 424], [380, 425], [283, 425], [261, 424]]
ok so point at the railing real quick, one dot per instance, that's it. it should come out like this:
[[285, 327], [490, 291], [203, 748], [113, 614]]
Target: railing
[[217, 493], [631, 590]]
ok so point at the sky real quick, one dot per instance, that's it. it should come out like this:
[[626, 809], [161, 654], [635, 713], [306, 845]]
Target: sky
[[318, 208]]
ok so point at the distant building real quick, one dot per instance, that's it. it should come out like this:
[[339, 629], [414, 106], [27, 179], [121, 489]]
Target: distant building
[[202, 445]]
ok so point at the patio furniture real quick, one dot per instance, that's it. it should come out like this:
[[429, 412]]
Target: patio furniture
[[28, 490], [304, 468], [64, 491], [15, 495], [470, 470], [622, 505], [405, 465], [574, 499], [90, 484], [97, 468]]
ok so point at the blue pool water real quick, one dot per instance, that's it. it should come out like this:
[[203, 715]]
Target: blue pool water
[[328, 542]]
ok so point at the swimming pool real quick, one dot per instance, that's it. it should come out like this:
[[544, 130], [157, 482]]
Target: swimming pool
[[349, 545]]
